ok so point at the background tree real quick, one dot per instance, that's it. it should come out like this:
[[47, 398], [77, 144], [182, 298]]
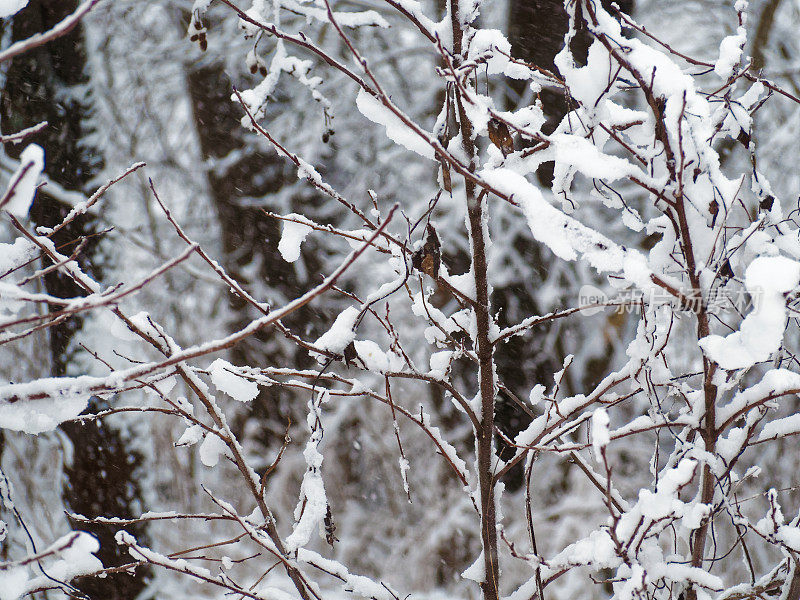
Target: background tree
[[44, 85]]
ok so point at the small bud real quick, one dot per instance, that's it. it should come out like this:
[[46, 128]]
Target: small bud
[[713, 208]]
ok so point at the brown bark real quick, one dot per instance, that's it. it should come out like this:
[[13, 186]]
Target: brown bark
[[475, 216]]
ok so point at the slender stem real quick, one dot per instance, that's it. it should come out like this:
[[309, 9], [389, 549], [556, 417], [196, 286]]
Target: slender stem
[[475, 218], [61, 28]]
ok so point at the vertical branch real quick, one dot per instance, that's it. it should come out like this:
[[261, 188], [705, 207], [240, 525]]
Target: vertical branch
[[476, 220], [708, 431], [677, 165]]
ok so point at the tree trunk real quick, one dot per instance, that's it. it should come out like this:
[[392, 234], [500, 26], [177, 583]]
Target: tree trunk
[[102, 477]]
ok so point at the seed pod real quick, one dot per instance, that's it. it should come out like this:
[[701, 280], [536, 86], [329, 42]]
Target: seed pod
[[744, 138], [725, 271], [447, 182], [500, 136], [350, 354], [428, 258], [330, 528]]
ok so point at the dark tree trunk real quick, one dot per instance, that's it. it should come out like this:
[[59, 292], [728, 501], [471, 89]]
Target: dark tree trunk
[[248, 235], [536, 30], [102, 476]]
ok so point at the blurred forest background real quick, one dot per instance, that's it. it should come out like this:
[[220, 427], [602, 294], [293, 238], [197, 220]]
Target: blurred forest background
[[127, 85]]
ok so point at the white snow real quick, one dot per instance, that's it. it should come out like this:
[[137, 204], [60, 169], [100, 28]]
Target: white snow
[[22, 187], [790, 536], [673, 479], [192, 435], [537, 394], [600, 435], [775, 383], [13, 583], [8, 8], [693, 517], [476, 571], [200, 6], [341, 332], [272, 593], [443, 445], [404, 467], [730, 53], [464, 283], [781, 427], [293, 235], [414, 8], [597, 550], [315, 509], [237, 387], [485, 44], [352, 584], [372, 356], [211, 449], [396, 130], [440, 363], [586, 84], [165, 386], [313, 505], [767, 279], [366, 18], [13, 255], [72, 555], [582, 155], [77, 558], [40, 415], [112, 324], [568, 238]]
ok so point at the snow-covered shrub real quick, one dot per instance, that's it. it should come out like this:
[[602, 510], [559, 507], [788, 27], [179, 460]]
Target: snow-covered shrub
[[682, 268]]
